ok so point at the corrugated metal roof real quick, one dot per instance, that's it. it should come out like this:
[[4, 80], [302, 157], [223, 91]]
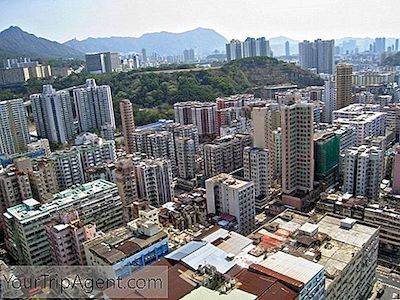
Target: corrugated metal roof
[[292, 266], [211, 255], [185, 250]]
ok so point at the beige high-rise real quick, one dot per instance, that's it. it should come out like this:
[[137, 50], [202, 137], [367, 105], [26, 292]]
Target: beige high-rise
[[343, 85], [265, 121], [297, 131], [128, 124]]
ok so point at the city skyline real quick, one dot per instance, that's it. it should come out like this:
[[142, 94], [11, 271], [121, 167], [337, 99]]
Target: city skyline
[[322, 19]]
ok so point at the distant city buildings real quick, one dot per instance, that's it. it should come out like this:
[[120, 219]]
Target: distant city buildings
[[18, 70], [251, 47], [103, 62], [318, 54], [188, 56]]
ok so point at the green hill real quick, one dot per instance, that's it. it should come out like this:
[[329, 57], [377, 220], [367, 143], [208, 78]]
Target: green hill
[[393, 60], [155, 92]]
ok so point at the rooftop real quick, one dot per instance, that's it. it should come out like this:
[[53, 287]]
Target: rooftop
[[30, 209], [329, 242], [121, 243]]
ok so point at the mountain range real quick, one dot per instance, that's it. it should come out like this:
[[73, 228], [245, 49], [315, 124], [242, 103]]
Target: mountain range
[[14, 42], [203, 41]]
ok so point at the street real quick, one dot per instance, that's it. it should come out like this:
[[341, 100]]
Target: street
[[391, 281]]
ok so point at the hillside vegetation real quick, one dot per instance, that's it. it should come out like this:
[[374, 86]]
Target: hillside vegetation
[[155, 92]]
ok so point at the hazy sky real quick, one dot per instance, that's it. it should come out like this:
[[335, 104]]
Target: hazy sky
[[62, 20]]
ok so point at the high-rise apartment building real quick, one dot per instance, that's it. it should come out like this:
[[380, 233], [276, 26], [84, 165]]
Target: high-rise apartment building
[[68, 167], [154, 181], [297, 132], [318, 54], [93, 106], [179, 130], [226, 194], [287, 49], [251, 47], [53, 115], [14, 187], [201, 114], [185, 157], [188, 55], [266, 120], [234, 50], [329, 100], [42, 176], [256, 169], [128, 125], [127, 186], [327, 153], [343, 85], [224, 155], [97, 203], [380, 45], [363, 171], [105, 62], [14, 133]]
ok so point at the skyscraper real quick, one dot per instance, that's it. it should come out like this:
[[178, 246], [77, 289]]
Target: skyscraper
[[188, 55], [128, 125], [52, 112], [380, 45], [297, 147], [234, 50], [287, 49], [343, 85], [249, 47], [14, 133], [329, 99], [318, 54], [93, 106], [396, 172]]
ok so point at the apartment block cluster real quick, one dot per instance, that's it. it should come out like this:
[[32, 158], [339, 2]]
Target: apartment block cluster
[[294, 196]]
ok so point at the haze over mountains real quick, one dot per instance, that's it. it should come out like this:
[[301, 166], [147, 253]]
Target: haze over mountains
[[14, 42], [203, 40]]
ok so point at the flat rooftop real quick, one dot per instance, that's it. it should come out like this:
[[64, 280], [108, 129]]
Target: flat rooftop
[[121, 243], [324, 241], [31, 208]]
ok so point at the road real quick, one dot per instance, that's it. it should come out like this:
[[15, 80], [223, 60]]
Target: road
[[391, 282]]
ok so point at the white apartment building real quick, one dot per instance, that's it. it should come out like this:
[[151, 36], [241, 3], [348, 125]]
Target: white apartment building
[[97, 203], [363, 171], [53, 115], [256, 169], [14, 133], [93, 106], [226, 194]]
